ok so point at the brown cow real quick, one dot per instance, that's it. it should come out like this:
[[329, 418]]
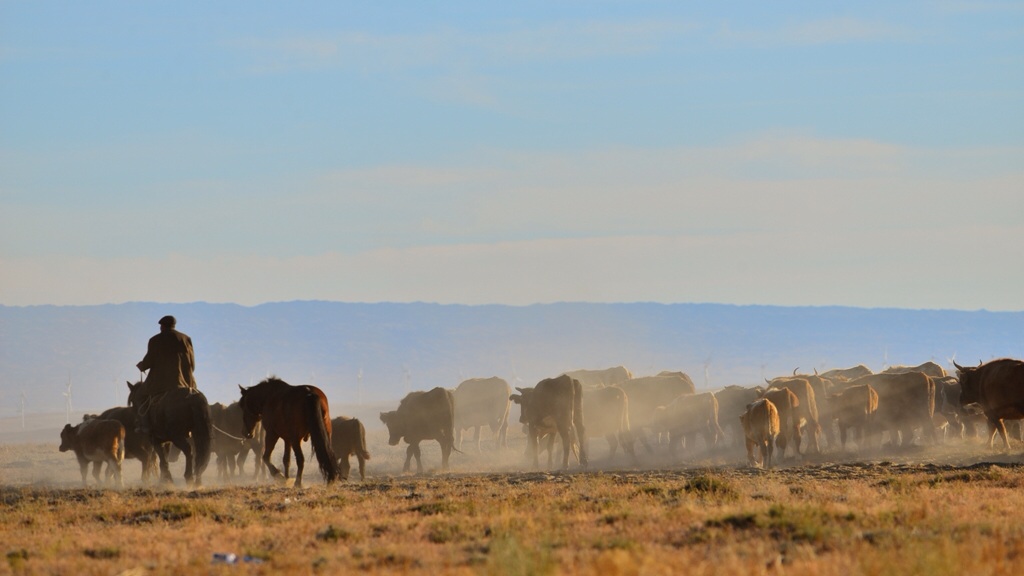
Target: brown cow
[[348, 438], [786, 404], [482, 402], [553, 403], [760, 428], [691, 415], [855, 407], [733, 401], [136, 444], [998, 387], [607, 411], [808, 408], [906, 402], [601, 378], [930, 368], [96, 441], [645, 395], [423, 416]]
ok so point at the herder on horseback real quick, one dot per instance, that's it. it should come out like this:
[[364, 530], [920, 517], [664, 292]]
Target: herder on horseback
[[170, 407]]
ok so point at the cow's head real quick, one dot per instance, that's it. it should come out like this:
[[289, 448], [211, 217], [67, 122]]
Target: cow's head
[[67, 437], [396, 426], [251, 414], [970, 383], [525, 401]]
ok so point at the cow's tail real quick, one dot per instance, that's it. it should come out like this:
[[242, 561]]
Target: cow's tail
[[320, 437], [361, 452], [202, 431]]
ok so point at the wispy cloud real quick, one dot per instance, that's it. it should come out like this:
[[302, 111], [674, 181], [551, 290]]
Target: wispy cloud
[[845, 30]]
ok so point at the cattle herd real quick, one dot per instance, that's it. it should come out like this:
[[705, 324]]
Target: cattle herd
[[837, 411]]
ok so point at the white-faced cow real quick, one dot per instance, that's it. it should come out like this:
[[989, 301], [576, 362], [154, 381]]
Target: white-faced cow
[[482, 402], [423, 416], [554, 403], [96, 441]]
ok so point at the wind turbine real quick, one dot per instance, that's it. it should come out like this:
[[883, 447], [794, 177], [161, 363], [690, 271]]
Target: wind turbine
[[707, 370], [67, 400]]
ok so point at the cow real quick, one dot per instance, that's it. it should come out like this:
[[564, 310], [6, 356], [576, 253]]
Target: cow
[[607, 411], [554, 403], [930, 368], [230, 443], [823, 388], [645, 395], [601, 378], [839, 374], [348, 438], [482, 402], [733, 401], [807, 411], [691, 415], [760, 425], [423, 416], [947, 403], [998, 387], [136, 444], [905, 402], [855, 407], [786, 405], [97, 441]]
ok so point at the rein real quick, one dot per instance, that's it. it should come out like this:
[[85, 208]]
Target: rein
[[228, 435]]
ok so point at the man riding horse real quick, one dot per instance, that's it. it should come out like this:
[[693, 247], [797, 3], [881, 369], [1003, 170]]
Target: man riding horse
[[169, 359]]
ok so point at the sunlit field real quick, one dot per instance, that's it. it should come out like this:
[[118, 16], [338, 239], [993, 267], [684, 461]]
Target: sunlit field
[[951, 509]]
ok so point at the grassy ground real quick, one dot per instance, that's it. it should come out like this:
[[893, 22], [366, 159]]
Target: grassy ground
[[924, 511]]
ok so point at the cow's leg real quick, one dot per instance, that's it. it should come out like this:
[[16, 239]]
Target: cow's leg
[[478, 431], [997, 425], [458, 438], [419, 458], [613, 445], [766, 454], [344, 467], [409, 452], [300, 462]]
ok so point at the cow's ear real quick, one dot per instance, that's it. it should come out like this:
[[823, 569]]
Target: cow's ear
[[515, 398], [242, 389], [520, 389]]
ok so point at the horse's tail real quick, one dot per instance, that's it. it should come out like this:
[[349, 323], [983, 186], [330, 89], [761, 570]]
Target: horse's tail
[[202, 431], [321, 439]]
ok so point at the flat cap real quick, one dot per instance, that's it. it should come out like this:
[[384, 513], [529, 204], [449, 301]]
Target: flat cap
[[168, 321]]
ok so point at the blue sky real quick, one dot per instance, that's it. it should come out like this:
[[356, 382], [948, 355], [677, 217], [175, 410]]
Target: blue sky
[[797, 153]]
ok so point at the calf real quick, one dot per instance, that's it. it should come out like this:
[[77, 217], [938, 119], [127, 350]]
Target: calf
[[760, 428], [348, 438], [96, 441]]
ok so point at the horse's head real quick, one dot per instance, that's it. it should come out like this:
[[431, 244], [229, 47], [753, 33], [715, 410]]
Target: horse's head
[[137, 393], [251, 413], [396, 426]]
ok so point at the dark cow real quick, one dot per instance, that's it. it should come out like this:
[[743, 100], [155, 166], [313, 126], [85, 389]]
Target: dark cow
[[906, 402], [230, 444], [855, 407], [601, 378], [947, 403], [348, 438], [930, 368], [607, 411], [760, 425], [645, 395], [689, 416], [808, 408], [733, 401], [554, 403], [136, 444], [423, 416], [998, 387], [482, 402], [96, 441], [787, 405]]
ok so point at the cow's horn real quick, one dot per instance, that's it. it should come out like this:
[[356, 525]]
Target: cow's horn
[[958, 367], [795, 369]]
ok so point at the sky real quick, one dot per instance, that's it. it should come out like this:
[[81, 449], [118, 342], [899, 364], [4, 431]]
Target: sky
[[865, 154]]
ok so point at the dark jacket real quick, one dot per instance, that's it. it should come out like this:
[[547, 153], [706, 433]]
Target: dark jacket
[[170, 361]]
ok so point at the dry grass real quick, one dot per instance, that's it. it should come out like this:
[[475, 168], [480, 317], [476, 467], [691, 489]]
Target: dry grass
[[876, 517]]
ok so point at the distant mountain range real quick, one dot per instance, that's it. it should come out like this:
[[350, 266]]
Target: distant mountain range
[[372, 353]]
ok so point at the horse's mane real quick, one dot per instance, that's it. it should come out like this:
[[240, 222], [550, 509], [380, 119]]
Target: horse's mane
[[272, 380]]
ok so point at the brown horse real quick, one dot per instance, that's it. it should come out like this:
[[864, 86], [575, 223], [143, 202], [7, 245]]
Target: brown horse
[[290, 413], [180, 416]]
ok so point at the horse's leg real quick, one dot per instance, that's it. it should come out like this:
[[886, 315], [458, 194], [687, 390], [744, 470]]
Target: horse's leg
[[286, 460], [165, 469], [268, 447], [300, 463], [190, 457]]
